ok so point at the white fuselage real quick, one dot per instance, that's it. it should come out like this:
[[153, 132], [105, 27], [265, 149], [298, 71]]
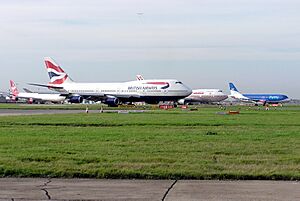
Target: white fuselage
[[134, 90], [42, 97], [205, 96]]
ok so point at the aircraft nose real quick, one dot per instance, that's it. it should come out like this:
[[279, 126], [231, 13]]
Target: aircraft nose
[[188, 90]]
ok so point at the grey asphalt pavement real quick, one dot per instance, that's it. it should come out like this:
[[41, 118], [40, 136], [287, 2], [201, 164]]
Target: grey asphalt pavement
[[124, 190], [16, 112]]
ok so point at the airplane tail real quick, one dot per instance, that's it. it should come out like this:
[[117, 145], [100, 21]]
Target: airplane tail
[[13, 88], [232, 87], [56, 74], [139, 77], [234, 92]]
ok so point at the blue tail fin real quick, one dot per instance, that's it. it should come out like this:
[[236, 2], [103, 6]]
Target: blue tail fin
[[232, 87]]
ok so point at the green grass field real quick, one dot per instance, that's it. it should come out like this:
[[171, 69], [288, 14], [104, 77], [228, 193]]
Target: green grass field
[[170, 144]]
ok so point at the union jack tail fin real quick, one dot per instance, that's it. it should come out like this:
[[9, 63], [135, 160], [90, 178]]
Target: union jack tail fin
[[13, 88], [57, 75], [139, 77]]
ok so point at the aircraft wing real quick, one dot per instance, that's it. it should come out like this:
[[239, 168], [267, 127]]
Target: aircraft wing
[[89, 96], [27, 90], [126, 96], [93, 97], [100, 96], [4, 93], [104, 95]]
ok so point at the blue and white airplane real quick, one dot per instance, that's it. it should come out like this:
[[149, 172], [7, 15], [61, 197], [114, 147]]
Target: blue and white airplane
[[257, 98]]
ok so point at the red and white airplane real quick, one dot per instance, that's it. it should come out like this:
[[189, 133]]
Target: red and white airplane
[[113, 94], [34, 97], [200, 95], [204, 96]]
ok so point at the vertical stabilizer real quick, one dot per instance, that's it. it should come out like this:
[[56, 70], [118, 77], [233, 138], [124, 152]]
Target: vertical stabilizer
[[56, 74], [232, 87], [234, 93], [13, 88], [139, 77]]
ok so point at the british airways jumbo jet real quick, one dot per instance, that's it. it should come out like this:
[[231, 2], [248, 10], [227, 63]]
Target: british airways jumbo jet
[[199, 95], [113, 94], [257, 98]]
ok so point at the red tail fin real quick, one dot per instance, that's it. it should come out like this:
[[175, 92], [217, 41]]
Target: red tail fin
[[13, 88]]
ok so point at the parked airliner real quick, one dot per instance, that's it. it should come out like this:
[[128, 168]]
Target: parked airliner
[[204, 96], [34, 97], [113, 94], [199, 95], [257, 98]]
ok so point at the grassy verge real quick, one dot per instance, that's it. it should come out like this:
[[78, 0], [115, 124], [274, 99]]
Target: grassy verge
[[157, 145]]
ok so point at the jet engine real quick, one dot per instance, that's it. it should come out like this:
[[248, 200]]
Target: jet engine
[[30, 101], [112, 102], [181, 102], [76, 99], [14, 98]]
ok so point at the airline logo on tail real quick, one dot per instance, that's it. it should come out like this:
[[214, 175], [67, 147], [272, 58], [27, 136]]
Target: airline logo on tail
[[139, 77], [232, 87], [234, 93], [13, 88], [55, 72]]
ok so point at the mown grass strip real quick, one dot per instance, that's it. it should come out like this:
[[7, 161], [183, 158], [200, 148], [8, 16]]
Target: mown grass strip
[[198, 145]]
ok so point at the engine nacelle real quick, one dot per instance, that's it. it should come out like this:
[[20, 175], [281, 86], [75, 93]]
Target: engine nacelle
[[181, 102], [112, 102], [14, 98], [30, 101], [76, 99]]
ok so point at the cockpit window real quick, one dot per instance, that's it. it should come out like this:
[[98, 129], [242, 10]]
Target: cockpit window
[[220, 91], [178, 82]]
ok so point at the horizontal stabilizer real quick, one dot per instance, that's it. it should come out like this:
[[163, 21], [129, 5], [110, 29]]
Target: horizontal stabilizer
[[44, 85]]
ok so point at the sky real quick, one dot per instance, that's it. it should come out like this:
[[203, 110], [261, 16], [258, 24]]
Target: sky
[[205, 44]]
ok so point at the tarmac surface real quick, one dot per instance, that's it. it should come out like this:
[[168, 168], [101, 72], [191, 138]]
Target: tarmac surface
[[121, 190], [16, 112]]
